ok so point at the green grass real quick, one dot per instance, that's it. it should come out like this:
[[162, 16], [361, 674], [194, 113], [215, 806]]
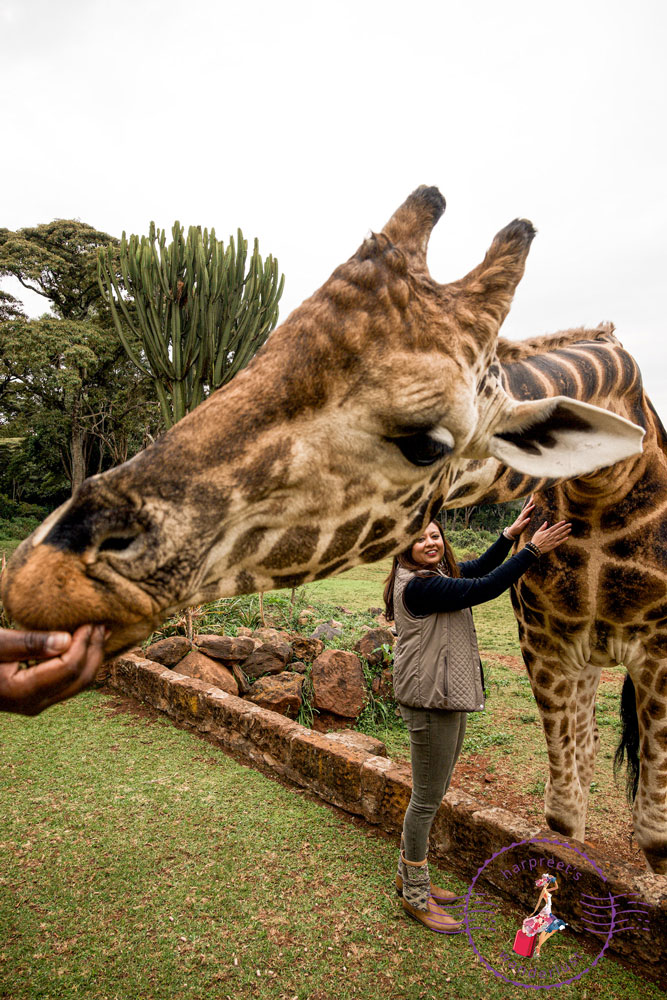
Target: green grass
[[142, 863], [358, 589]]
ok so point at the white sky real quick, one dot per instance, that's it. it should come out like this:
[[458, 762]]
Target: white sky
[[308, 124]]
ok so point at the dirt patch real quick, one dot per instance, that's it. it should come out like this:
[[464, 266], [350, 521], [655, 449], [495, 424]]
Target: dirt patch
[[513, 662], [493, 781]]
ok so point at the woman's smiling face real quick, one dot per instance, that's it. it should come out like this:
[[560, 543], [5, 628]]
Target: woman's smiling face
[[429, 548]]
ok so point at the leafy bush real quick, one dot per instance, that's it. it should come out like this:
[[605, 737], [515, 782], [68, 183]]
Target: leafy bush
[[378, 712], [307, 712], [471, 540], [10, 509]]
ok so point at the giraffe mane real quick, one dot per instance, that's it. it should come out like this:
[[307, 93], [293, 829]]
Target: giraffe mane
[[516, 350]]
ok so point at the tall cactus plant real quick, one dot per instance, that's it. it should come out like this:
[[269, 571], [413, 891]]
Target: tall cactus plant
[[198, 310]]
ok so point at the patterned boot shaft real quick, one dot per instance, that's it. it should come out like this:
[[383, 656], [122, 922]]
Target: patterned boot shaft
[[416, 884], [400, 866]]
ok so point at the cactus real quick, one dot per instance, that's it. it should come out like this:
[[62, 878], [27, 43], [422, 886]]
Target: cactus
[[187, 313]]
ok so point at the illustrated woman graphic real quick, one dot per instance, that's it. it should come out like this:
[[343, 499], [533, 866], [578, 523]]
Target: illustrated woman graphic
[[543, 923]]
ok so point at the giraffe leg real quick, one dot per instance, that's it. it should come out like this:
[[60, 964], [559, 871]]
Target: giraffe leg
[[556, 698], [587, 735], [650, 807]]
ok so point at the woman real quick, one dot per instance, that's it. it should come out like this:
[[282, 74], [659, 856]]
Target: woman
[[438, 676], [543, 923]]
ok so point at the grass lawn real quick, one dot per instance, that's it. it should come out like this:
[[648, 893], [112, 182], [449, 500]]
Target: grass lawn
[[142, 863]]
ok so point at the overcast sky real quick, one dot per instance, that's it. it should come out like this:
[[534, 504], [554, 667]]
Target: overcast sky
[[307, 124]]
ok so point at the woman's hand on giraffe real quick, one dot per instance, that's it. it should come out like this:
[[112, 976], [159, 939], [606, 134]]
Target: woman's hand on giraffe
[[515, 529], [57, 677], [547, 538]]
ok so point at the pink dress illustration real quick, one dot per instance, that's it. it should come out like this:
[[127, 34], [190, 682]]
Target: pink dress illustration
[[542, 921]]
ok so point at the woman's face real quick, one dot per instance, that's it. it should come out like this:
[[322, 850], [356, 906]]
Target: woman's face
[[429, 548]]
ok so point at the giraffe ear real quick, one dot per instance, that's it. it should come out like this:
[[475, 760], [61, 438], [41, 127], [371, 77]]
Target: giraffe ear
[[562, 437]]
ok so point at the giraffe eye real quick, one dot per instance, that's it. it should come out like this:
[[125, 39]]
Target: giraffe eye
[[425, 447]]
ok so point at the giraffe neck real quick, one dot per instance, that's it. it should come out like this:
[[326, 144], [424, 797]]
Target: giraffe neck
[[596, 371]]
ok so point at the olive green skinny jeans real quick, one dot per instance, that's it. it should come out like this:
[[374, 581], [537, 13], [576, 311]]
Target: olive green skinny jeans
[[436, 737]]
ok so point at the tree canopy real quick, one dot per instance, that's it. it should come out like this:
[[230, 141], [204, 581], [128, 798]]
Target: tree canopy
[[70, 383], [10, 307], [59, 261]]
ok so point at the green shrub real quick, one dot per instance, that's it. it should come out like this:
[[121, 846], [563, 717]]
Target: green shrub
[[467, 540], [19, 509]]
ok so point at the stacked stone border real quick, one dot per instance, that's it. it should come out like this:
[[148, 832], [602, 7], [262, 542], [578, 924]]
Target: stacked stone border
[[378, 789]]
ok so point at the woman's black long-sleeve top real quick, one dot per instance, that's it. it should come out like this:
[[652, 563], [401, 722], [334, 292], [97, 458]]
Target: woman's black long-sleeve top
[[481, 580]]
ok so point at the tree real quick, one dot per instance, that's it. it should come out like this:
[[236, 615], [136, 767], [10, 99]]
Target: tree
[[10, 307], [197, 314], [66, 384], [59, 261], [70, 384]]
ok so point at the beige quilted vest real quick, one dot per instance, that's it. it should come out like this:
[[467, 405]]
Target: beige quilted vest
[[436, 659]]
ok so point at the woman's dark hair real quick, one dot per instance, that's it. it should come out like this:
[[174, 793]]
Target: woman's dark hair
[[405, 560]]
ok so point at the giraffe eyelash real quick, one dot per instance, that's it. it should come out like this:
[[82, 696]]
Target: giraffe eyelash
[[425, 447]]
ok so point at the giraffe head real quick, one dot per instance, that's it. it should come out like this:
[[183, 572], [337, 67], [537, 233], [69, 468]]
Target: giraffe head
[[333, 447]]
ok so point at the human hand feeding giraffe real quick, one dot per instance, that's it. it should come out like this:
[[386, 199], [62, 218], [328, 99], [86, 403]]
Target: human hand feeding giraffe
[[66, 665]]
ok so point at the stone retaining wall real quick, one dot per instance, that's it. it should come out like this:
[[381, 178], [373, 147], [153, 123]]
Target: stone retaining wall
[[463, 834]]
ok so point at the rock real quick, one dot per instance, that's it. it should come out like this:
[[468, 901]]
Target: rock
[[345, 611], [243, 630], [271, 635], [383, 684], [269, 658], [279, 693], [305, 617], [298, 666], [324, 722], [196, 664], [326, 632], [359, 741], [376, 611], [369, 644], [168, 651], [304, 648], [228, 648], [338, 683]]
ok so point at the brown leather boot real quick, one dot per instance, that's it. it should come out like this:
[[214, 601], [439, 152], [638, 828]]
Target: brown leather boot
[[418, 902], [439, 895]]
